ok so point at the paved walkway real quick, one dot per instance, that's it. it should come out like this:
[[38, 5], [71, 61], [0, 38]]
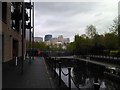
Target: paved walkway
[[35, 75]]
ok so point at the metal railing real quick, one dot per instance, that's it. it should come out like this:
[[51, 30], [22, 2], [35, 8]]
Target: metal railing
[[102, 58], [70, 78], [53, 63], [68, 74]]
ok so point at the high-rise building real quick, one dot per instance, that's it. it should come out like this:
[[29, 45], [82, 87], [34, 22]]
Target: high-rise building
[[66, 40], [60, 38], [54, 41], [38, 39], [59, 41], [48, 37]]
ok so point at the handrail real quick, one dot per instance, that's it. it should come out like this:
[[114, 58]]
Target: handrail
[[74, 82], [64, 73], [105, 56], [69, 77]]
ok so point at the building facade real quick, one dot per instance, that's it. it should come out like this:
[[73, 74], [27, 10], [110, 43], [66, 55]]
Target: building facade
[[48, 37], [11, 33], [60, 38], [53, 41], [38, 39], [60, 41], [66, 40]]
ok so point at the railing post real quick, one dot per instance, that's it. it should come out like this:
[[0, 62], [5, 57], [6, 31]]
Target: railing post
[[55, 64], [69, 78], [52, 64], [55, 68], [59, 73]]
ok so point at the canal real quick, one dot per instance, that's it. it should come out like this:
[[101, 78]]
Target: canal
[[86, 74]]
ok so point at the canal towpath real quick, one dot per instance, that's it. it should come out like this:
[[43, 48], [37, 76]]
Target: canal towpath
[[35, 75]]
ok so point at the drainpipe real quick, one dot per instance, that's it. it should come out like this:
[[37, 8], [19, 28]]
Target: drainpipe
[[23, 28]]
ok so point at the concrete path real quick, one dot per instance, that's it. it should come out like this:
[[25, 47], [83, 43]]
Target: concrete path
[[35, 75]]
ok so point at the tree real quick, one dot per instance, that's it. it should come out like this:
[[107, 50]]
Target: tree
[[40, 45], [81, 44], [71, 48], [119, 31], [91, 31], [114, 27], [111, 41], [77, 44]]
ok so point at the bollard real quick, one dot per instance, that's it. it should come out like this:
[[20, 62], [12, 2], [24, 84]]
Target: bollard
[[16, 61], [59, 73], [69, 78], [24, 57]]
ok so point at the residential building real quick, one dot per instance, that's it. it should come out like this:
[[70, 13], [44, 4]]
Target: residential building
[[38, 39], [12, 33]]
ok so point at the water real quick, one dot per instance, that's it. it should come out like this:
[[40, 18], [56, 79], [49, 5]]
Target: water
[[65, 78], [85, 75]]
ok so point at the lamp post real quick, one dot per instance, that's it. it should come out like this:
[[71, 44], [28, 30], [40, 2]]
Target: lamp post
[[33, 27]]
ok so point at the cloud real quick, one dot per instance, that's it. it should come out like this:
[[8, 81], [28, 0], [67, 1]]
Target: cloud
[[70, 18]]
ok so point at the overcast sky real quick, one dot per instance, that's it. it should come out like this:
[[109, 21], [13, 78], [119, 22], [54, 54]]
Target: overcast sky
[[70, 18]]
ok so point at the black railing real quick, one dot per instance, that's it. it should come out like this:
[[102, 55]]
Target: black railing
[[100, 58], [106, 59], [53, 63], [68, 74], [69, 77]]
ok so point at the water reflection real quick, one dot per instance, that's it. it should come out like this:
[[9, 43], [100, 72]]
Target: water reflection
[[89, 76]]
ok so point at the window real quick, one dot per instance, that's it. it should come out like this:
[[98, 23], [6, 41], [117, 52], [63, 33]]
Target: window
[[15, 15], [4, 11]]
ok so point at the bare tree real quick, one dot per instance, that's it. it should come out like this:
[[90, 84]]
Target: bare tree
[[91, 31]]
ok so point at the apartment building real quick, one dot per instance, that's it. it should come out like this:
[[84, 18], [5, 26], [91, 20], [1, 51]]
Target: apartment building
[[12, 33]]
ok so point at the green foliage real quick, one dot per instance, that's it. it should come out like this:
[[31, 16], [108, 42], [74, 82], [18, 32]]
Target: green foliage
[[114, 27], [93, 43], [111, 41], [40, 45], [71, 47]]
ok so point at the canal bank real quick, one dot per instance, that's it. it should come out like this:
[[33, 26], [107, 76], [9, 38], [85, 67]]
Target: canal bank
[[87, 74]]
